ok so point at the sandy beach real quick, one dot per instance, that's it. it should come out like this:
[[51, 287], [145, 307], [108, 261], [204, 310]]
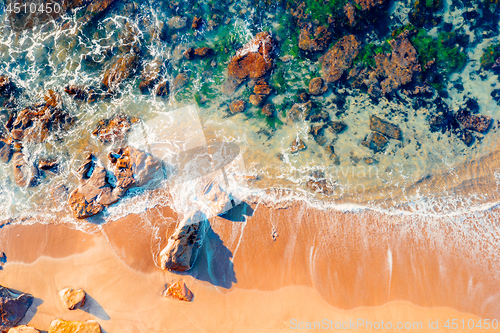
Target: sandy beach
[[324, 265]]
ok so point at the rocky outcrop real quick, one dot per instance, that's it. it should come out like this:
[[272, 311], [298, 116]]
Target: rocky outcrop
[[237, 106], [317, 41], [253, 61], [180, 291], [23, 329], [317, 86], [82, 93], [35, 123], [337, 126], [13, 307], [339, 58], [86, 200], [369, 4], [297, 145], [123, 68], [114, 129], [180, 81], [63, 326], [200, 52], [474, 122], [184, 244], [398, 68], [386, 128], [72, 298], [25, 173]]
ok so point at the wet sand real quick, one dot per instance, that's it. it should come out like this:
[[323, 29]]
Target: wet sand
[[323, 265]]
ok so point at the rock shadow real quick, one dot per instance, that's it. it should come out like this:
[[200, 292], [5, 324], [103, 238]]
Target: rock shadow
[[214, 263], [31, 310], [92, 307], [238, 213]]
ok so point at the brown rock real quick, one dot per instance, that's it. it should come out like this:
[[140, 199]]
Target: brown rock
[[304, 97], [316, 129], [189, 53], [13, 307], [237, 106], [317, 42], [337, 126], [330, 149], [123, 68], [203, 51], [114, 129], [262, 88], [256, 100], [317, 86], [474, 122], [23, 329], [150, 76], [339, 58], [299, 111], [269, 110], [318, 183], [48, 164], [184, 244], [252, 61], [197, 22], [63, 326], [73, 298], [162, 89], [6, 149], [81, 93], [375, 142], [397, 69], [297, 145], [350, 12], [385, 127], [180, 81], [369, 4], [25, 173], [180, 291]]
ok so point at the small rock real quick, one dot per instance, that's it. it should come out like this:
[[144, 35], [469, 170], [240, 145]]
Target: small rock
[[304, 97], [177, 22], [467, 137], [269, 110], [73, 298], [375, 141], [385, 127], [13, 307], [317, 86], [63, 326], [123, 68], [6, 149], [48, 164], [150, 75], [162, 89], [203, 52], [197, 22], [237, 106], [81, 93], [337, 126], [297, 145], [369, 160], [23, 329], [318, 183], [331, 152], [114, 129], [256, 100], [7, 87], [180, 291], [299, 111]]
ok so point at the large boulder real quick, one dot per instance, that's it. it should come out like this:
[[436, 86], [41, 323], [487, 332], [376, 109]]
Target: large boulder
[[180, 291], [72, 298], [339, 58], [253, 61], [63, 326], [13, 307], [385, 127], [184, 245]]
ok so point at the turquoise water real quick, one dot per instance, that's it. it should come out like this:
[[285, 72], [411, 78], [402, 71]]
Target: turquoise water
[[71, 51]]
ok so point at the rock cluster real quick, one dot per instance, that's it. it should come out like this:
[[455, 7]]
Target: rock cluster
[[260, 92], [123, 68]]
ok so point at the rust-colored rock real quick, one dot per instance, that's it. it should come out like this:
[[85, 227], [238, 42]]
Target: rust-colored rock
[[237, 106], [385, 127], [81, 93], [252, 61], [114, 129], [260, 91], [369, 4], [350, 12], [180, 81], [317, 86], [6, 149], [318, 183], [48, 164], [269, 110], [23, 329], [203, 51], [474, 122], [63, 326], [297, 145], [25, 173], [397, 69], [184, 244], [197, 22], [180, 291], [7, 87], [73, 298], [123, 68], [339, 58], [163, 89], [314, 42], [299, 111]]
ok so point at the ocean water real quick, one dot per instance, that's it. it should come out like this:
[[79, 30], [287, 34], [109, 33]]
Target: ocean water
[[427, 173]]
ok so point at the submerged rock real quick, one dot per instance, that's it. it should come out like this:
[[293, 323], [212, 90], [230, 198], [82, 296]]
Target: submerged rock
[[150, 76], [73, 298], [177, 22], [318, 183], [7, 87], [237, 106], [25, 173], [260, 91], [23, 329], [63, 326], [269, 110], [184, 244], [375, 142], [474, 122], [314, 42], [253, 61], [317, 86], [180, 81], [180, 291], [197, 22], [297, 145], [337, 126], [6, 149], [123, 68], [369, 4], [82, 93], [339, 58], [48, 164], [114, 129], [13, 307], [299, 111], [385, 127]]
